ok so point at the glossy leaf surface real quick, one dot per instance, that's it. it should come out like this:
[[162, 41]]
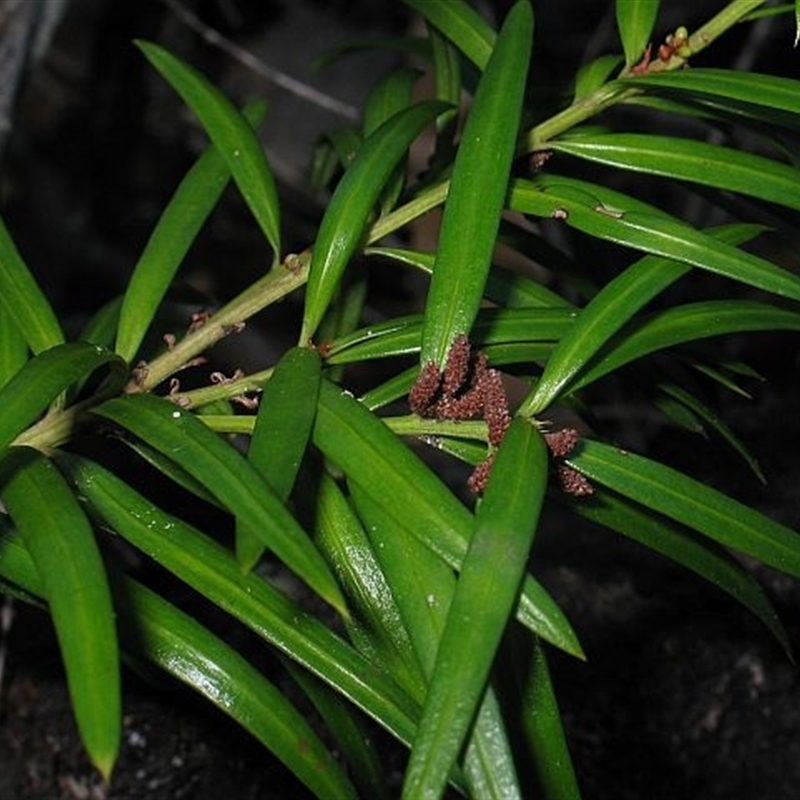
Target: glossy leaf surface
[[23, 299], [177, 228], [61, 542], [486, 593], [230, 478], [282, 429], [42, 379], [213, 571], [375, 459], [618, 218], [477, 190], [609, 310], [694, 504], [461, 24], [635, 22], [690, 160], [679, 543], [346, 218], [232, 135]]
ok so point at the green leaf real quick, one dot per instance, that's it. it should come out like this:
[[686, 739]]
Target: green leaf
[[213, 571], [43, 378], [402, 335], [544, 729], [61, 542], [503, 287], [478, 189], [687, 323], [102, 326], [684, 547], [346, 218], [461, 24], [694, 504], [690, 160], [152, 629], [766, 91], [23, 300], [156, 630], [232, 136], [593, 75], [424, 586], [377, 461], [707, 415], [230, 478], [609, 215], [177, 228], [392, 94], [352, 739], [635, 22], [609, 310], [375, 625], [486, 593], [282, 429], [13, 347]]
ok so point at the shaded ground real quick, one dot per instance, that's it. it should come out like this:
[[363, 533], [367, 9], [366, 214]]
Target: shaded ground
[[684, 695]]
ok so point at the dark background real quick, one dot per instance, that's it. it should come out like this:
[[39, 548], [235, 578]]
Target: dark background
[[684, 694]]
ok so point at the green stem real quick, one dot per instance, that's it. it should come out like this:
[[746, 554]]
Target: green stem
[[275, 285]]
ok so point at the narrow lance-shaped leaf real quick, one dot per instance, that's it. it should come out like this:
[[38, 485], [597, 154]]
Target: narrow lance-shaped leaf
[[486, 593], [593, 75], [752, 88], [13, 347], [544, 729], [375, 626], [635, 22], [42, 379], [424, 587], [389, 96], [159, 632], [61, 541], [230, 478], [690, 160], [477, 192], [232, 135], [460, 23], [347, 215], [687, 323], [177, 228], [704, 558], [283, 426], [608, 311], [618, 218], [152, 629], [352, 738], [212, 570], [694, 504], [24, 300], [395, 478]]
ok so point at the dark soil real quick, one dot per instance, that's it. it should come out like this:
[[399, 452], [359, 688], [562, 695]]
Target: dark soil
[[684, 694]]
